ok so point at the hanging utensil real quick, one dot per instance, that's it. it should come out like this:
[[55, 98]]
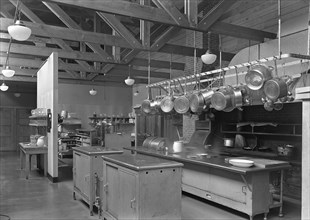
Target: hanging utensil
[[181, 104], [146, 104], [167, 103]]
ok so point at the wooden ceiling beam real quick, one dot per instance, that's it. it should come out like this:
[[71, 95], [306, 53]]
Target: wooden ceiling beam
[[34, 18], [153, 14], [65, 18], [115, 24], [169, 7], [215, 13], [106, 82], [44, 52], [77, 35], [45, 30]]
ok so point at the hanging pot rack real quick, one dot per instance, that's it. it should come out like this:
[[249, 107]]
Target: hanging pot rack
[[192, 78]]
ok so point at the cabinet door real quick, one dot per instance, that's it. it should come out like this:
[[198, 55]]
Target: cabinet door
[[128, 195], [82, 173], [111, 190]]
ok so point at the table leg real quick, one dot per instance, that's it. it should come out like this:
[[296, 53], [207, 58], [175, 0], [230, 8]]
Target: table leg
[[281, 195], [27, 165], [21, 159], [45, 164]]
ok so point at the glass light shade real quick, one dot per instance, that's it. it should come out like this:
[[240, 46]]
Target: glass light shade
[[8, 72], [19, 31], [208, 58], [4, 87], [129, 81], [93, 92]]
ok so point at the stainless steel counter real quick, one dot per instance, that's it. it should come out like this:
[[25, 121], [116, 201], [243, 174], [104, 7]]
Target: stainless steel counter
[[214, 160], [97, 150], [140, 161], [212, 177]]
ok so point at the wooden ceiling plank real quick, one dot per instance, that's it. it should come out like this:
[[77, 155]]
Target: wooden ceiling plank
[[241, 32], [158, 64], [189, 51], [168, 5], [115, 24], [69, 22], [215, 13], [5, 8]]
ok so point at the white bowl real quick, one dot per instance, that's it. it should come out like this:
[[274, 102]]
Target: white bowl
[[241, 162]]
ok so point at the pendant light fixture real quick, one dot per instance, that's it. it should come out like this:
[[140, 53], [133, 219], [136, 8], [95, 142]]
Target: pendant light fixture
[[208, 57], [92, 91], [18, 30], [8, 72], [4, 87], [129, 81]]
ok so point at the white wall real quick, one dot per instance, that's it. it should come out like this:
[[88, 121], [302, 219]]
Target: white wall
[[109, 100], [47, 97]]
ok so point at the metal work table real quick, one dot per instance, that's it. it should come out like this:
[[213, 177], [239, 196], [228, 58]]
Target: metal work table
[[87, 173], [212, 177], [213, 160], [26, 151], [140, 187]]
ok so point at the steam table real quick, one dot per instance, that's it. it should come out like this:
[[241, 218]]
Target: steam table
[[26, 151]]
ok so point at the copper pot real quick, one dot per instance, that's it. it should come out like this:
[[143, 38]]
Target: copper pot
[[181, 104], [201, 100], [276, 88], [257, 76], [222, 99]]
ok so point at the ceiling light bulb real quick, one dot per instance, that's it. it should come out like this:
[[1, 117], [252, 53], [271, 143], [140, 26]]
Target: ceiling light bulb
[[19, 31], [8, 72], [129, 81], [208, 57], [93, 92], [4, 87]]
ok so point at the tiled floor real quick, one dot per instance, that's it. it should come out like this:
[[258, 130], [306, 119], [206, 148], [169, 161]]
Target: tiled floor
[[39, 199]]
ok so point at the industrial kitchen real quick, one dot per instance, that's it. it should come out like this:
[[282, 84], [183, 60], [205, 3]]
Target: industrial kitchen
[[155, 109]]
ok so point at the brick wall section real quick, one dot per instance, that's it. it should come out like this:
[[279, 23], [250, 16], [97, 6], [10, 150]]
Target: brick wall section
[[189, 120], [188, 126], [201, 41]]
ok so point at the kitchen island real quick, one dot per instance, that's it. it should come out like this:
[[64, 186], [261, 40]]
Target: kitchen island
[[212, 177]]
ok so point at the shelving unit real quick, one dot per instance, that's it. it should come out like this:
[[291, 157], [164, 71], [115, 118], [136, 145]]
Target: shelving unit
[[67, 132], [39, 127], [85, 137], [271, 129]]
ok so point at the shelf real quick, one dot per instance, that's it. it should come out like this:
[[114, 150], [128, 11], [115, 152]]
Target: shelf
[[262, 128], [261, 133], [38, 117], [37, 125]]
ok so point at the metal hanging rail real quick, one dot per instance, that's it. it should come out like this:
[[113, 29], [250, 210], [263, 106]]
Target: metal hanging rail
[[263, 60]]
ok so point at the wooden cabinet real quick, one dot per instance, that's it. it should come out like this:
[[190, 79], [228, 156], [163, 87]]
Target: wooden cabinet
[[141, 187], [87, 172]]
